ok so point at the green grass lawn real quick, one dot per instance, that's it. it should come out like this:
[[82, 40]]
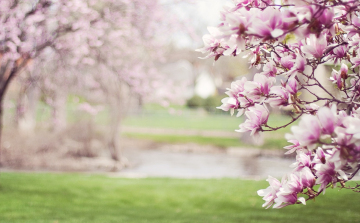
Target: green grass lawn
[[189, 120], [39, 197], [193, 121]]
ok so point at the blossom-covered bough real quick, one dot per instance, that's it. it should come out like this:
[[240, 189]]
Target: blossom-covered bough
[[288, 41]]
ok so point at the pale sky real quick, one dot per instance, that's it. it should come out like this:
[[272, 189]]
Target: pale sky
[[200, 15], [209, 10]]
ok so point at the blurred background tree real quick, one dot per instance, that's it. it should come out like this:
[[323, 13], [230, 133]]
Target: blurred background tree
[[109, 48], [102, 59]]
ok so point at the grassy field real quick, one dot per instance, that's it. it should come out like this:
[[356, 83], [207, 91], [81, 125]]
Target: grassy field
[[193, 120], [182, 118], [39, 197], [189, 120], [269, 143]]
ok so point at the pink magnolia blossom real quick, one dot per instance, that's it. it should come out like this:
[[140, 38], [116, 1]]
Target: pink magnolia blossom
[[356, 60], [312, 107], [269, 24], [327, 120], [355, 113], [336, 79], [299, 66], [254, 57], [320, 156], [237, 88], [256, 3], [260, 87], [307, 132], [281, 96], [229, 103], [326, 174], [352, 126], [269, 69], [289, 41], [302, 160], [287, 62], [292, 185], [292, 85], [213, 45], [300, 63], [344, 71], [315, 46], [354, 87], [295, 147], [307, 178], [284, 200], [267, 32], [238, 22], [245, 102], [287, 194], [343, 138], [338, 53], [257, 116], [355, 42], [355, 28], [326, 17], [269, 194]]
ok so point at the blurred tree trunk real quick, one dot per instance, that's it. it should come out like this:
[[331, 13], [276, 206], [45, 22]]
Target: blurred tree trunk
[[118, 98], [140, 104], [26, 106], [114, 134], [59, 111], [8, 70]]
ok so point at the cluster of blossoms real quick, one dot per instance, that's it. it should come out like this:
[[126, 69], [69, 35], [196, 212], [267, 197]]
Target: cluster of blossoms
[[288, 42]]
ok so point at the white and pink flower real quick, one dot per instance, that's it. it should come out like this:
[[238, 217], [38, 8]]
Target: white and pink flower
[[257, 117]]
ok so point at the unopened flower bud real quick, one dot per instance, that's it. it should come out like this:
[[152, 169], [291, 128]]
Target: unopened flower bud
[[344, 71], [340, 85], [336, 28], [348, 56], [217, 57], [241, 29], [344, 75], [258, 59]]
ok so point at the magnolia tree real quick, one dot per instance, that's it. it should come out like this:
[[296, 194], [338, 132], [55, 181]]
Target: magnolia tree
[[121, 62], [24, 34], [107, 49], [288, 41]]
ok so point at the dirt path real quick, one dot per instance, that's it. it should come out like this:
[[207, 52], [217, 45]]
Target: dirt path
[[196, 161]]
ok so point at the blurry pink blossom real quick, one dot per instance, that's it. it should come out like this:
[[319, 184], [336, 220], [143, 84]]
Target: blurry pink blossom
[[257, 116], [315, 46], [281, 97], [269, 194], [327, 120], [307, 132], [291, 86], [295, 147]]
